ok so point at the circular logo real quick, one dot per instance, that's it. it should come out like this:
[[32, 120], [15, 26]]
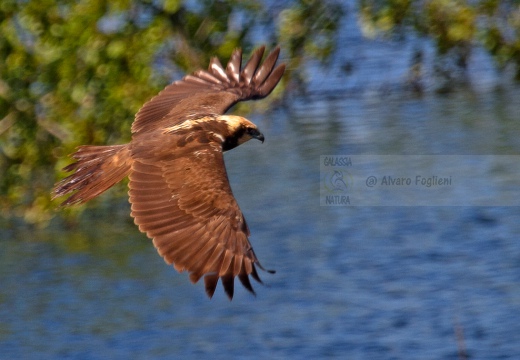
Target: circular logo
[[338, 181]]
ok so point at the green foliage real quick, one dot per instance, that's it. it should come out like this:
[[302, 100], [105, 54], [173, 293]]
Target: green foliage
[[308, 30], [450, 23], [454, 25], [76, 72]]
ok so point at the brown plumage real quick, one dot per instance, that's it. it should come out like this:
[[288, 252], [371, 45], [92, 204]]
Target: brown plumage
[[179, 189]]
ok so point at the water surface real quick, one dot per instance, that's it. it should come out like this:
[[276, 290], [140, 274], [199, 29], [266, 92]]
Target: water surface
[[352, 282]]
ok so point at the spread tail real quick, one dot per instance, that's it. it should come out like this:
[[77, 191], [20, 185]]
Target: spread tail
[[97, 168]]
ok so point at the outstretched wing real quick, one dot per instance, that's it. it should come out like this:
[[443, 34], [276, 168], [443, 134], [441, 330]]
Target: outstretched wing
[[183, 201], [211, 92]]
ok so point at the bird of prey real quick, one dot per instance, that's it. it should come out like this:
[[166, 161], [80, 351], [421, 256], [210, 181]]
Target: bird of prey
[[179, 190]]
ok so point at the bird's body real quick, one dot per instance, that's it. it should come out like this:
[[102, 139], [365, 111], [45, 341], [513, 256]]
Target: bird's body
[[179, 189]]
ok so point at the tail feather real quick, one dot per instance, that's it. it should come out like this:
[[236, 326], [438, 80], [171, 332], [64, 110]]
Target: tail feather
[[96, 170]]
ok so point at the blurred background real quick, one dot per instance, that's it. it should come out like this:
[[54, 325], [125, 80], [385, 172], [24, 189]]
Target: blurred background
[[380, 77]]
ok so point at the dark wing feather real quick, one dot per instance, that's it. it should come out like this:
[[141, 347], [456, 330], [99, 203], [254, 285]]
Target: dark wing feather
[[211, 92], [265, 70], [252, 64], [233, 66], [183, 201]]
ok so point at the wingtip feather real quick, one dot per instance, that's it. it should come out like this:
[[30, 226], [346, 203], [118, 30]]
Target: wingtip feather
[[272, 80], [251, 66], [265, 70], [210, 283], [244, 279], [234, 65], [228, 281]]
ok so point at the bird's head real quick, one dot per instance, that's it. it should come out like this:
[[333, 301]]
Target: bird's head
[[240, 130]]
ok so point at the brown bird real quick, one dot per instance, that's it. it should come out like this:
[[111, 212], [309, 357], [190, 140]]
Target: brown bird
[[179, 189]]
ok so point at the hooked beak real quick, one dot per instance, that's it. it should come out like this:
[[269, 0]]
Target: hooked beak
[[260, 137]]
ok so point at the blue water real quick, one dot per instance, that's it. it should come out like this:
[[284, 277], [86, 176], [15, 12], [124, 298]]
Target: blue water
[[351, 282]]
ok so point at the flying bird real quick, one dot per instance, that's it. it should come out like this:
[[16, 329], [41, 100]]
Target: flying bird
[[179, 189]]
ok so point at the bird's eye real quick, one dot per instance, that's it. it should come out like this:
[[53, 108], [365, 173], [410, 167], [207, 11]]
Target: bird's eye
[[251, 131]]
